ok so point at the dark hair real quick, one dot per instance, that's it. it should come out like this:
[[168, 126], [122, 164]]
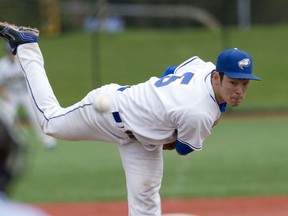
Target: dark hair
[[221, 75]]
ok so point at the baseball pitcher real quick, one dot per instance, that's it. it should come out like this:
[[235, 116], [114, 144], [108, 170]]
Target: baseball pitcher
[[176, 111]]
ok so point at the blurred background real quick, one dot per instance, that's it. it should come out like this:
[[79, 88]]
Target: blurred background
[[56, 16], [193, 27], [88, 43]]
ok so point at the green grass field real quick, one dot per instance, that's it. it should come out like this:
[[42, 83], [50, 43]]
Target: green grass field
[[242, 157]]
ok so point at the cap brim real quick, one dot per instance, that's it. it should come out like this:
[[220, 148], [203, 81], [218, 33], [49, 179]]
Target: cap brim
[[242, 76]]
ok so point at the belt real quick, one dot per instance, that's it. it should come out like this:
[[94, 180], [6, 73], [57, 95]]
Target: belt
[[116, 115], [117, 118]]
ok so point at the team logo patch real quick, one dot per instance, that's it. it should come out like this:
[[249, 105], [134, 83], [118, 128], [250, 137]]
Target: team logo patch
[[244, 63]]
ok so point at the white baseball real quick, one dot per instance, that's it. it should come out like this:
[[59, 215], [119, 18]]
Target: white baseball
[[102, 103]]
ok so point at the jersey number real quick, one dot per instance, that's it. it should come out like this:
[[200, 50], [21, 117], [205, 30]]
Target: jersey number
[[169, 79]]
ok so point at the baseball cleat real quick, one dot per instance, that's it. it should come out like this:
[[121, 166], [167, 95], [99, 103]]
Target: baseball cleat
[[17, 35]]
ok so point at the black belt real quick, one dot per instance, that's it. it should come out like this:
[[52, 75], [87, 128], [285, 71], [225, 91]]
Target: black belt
[[116, 115], [117, 118]]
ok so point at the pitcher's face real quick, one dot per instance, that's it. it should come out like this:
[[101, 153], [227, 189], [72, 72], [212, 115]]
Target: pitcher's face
[[233, 91]]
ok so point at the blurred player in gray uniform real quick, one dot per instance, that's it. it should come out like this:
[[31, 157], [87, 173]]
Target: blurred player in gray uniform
[[175, 111], [14, 92], [12, 153]]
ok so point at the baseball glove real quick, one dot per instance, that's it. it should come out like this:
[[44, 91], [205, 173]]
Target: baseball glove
[[169, 146]]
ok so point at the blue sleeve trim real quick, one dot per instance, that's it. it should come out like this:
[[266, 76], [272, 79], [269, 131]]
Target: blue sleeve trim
[[182, 148]]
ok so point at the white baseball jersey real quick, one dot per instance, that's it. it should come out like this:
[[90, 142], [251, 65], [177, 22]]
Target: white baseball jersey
[[178, 106]]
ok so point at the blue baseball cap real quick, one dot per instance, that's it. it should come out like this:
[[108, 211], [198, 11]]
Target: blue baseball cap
[[236, 64]]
